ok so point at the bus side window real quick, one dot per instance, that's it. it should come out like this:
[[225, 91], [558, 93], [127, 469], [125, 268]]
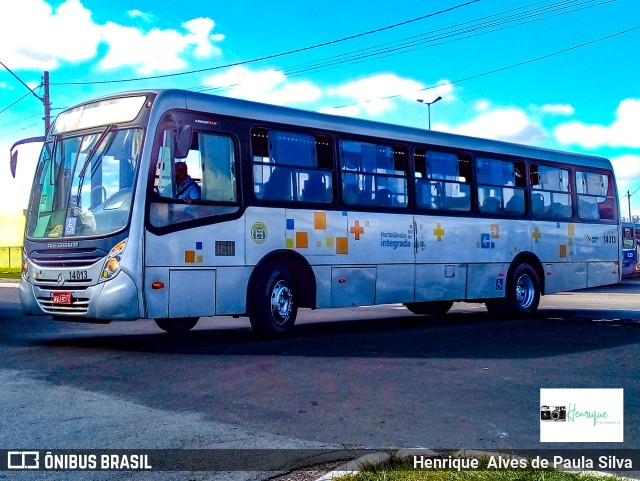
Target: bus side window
[[550, 192], [373, 174], [443, 180], [218, 168], [501, 186], [211, 164], [278, 187], [596, 200], [292, 166]]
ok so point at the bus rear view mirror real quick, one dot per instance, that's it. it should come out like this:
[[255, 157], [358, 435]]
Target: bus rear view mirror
[[13, 163], [183, 142]]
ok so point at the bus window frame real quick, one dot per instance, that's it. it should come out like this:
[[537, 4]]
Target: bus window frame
[[407, 175], [613, 197], [293, 169], [476, 185], [470, 181], [571, 192], [171, 120]]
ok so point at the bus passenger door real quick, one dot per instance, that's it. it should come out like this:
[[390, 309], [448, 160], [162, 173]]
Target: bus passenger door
[[438, 249], [442, 184]]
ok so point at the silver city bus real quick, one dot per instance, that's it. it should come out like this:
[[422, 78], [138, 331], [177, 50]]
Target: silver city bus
[[298, 209]]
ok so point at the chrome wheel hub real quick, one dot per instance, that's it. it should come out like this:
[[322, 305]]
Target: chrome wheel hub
[[525, 291], [281, 303]]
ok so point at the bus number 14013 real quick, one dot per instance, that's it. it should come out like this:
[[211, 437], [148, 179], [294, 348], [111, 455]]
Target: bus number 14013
[[78, 275]]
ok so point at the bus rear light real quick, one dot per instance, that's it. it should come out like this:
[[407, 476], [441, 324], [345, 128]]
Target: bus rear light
[[157, 285]]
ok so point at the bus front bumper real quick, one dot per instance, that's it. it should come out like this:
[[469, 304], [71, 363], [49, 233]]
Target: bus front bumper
[[116, 299]]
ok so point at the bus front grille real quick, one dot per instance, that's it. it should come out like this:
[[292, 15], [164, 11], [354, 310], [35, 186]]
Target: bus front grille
[[53, 283], [78, 307], [70, 258]]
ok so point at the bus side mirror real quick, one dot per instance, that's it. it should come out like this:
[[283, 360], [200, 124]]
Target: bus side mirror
[[13, 163], [183, 142]]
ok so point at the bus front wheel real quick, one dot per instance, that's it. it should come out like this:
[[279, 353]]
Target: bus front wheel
[[275, 304], [177, 325], [522, 295], [433, 308]]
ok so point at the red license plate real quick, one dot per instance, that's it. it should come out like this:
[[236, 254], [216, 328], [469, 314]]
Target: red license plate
[[62, 298]]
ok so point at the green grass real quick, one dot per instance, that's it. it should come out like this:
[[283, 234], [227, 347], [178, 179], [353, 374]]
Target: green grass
[[10, 272], [401, 469]]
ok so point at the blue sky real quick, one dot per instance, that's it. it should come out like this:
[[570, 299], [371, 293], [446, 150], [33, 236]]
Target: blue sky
[[557, 73]]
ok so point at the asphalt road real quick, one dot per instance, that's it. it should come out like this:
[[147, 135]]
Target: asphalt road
[[377, 377]]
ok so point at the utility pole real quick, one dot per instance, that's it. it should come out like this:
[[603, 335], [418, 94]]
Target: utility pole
[[45, 100], [47, 103]]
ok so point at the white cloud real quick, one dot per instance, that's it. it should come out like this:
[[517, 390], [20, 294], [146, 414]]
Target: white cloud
[[157, 50], [268, 86], [368, 94], [483, 105], [511, 125], [627, 171], [200, 35], [15, 192], [623, 132], [145, 16], [626, 168], [71, 35], [559, 109]]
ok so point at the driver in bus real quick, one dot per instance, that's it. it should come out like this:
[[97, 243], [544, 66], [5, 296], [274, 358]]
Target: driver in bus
[[186, 188]]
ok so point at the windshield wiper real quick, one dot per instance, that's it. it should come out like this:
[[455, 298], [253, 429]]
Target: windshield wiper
[[92, 153]]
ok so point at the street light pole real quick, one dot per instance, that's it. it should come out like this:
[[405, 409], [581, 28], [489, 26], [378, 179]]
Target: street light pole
[[429, 104]]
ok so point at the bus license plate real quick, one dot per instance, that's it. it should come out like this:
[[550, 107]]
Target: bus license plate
[[62, 298]]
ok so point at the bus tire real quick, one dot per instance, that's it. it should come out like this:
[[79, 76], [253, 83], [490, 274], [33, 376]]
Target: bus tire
[[432, 308], [274, 305], [177, 325], [522, 295]]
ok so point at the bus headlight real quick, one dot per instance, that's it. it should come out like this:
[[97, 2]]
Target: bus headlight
[[112, 264]]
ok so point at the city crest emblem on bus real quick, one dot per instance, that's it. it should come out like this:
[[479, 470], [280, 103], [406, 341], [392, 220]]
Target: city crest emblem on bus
[[259, 232]]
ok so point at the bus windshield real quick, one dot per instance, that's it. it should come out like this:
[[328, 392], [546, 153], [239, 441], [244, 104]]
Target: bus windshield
[[83, 184]]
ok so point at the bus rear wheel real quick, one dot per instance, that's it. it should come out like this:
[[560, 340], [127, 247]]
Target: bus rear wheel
[[522, 295], [433, 308], [275, 304], [177, 325]]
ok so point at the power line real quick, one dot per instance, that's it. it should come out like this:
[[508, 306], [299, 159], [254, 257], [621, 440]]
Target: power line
[[13, 103], [454, 33], [276, 55], [500, 69], [20, 80], [25, 128], [44, 99]]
